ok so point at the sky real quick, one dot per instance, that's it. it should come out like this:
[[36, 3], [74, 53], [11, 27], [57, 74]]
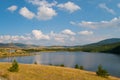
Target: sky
[[59, 22]]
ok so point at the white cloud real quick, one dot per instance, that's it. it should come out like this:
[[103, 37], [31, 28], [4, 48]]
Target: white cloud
[[45, 9], [26, 13], [118, 5], [64, 36], [72, 39], [69, 6], [85, 32], [68, 32], [45, 13], [5, 37], [58, 37], [15, 38], [12, 8], [72, 23], [39, 38], [39, 35], [103, 6], [115, 22], [33, 37], [42, 3]]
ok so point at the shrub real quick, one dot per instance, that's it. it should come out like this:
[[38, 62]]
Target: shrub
[[14, 67], [102, 72], [50, 64], [35, 62], [62, 65], [81, 67], [77, 66]]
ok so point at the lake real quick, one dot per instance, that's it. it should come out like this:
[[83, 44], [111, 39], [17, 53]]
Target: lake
[[90, 61]]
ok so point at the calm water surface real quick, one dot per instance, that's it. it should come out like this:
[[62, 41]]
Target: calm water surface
[[90, 61]]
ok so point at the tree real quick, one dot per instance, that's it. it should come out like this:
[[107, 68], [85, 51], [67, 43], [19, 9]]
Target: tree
[[35, 62], [62, 65], [77, 66], [102, 72], [14, 67], [81, 67]]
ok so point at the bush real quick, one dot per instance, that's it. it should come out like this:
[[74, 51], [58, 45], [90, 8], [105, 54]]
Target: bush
[[62, 65], [35, 62], [77, 66], [14, 67], [102, 72], [81, 67]]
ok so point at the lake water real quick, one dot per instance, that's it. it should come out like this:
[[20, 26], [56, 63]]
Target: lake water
[[90, 61]]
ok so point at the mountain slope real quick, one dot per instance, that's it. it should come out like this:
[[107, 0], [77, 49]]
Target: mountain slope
[[114, 50], [16, 45], [107, 48], [105, 42]]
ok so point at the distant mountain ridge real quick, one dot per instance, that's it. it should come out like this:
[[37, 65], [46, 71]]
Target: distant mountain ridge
[[105, 42], [108, 46], [16, 45]]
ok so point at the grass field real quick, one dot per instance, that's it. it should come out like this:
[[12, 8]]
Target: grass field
[[41, 72]]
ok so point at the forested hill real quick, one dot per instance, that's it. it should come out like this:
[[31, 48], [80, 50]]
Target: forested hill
[[105, 42], [107, 46]]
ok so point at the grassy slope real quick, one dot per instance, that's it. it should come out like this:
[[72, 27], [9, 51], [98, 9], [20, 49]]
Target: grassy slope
[[41, 72]]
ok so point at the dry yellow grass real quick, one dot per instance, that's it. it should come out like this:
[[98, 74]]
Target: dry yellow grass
[[41, 72]]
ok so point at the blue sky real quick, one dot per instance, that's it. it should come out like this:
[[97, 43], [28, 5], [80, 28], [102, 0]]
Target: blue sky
[[59, 22]]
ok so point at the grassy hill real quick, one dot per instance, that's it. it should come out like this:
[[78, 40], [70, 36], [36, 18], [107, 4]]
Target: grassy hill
[[41, 72]]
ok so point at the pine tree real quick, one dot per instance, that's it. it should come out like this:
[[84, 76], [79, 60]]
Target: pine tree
[[14, 67], [81, 67], [102, 72], [77, 66]]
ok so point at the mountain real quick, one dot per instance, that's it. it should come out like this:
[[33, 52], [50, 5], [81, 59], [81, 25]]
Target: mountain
[[114, 50], [17, 45], [105, 42], [108, 46]]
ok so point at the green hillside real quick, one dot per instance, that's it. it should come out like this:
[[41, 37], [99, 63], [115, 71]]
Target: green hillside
[[109, 48]]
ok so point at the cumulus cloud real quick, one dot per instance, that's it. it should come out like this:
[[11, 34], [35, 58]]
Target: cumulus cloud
[[45, 13], [42, 3], [35, 35], [103, 6], [12, 8], [115, 22], [39, 35], [69, 6], [39, 38], [26, 13], [58, 37], [68, 32], [63, 36], [45, 9], [85, 32], [14, 38]]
